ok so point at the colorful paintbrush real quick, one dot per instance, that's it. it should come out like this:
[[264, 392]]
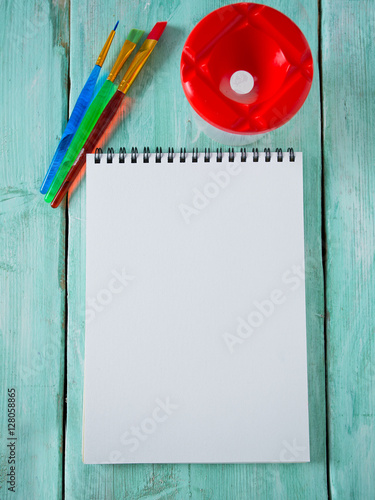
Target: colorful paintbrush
[[110, 110], [93, 113], [78, 112]]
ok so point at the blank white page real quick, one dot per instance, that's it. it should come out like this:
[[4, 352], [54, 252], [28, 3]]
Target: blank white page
[[195, 345]]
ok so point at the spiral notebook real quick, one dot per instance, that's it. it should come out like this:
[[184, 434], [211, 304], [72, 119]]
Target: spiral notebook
[[195, 348]]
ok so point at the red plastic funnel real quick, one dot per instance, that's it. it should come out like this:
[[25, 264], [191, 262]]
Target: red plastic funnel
[[246, 68]]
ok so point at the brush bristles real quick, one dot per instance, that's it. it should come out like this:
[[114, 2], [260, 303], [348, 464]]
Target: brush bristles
[[157, 30]]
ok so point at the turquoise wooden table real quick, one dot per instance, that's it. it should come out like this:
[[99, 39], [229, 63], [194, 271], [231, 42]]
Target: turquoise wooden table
[[47, 50]]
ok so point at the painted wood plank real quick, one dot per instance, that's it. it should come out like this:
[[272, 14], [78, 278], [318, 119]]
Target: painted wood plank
[[159, 115], [34, 61], [349, 151]]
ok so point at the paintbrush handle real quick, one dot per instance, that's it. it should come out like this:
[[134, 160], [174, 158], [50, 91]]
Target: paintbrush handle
[[78, 112], [87, 124], [89, 146]]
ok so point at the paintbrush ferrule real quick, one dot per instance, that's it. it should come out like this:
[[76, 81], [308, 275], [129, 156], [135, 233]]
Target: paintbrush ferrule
[[137, 64], [125, 52], [105, 49]]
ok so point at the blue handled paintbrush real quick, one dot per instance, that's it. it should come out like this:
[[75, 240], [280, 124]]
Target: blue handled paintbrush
[[78, 112]]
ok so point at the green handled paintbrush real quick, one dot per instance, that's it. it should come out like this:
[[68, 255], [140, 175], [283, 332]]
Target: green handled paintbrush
[[93, 113]]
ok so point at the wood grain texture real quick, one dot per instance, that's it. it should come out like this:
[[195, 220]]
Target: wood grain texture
[[158, 114], [349, 152], [34, 62]]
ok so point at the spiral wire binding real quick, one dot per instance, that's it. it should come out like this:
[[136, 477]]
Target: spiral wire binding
[[110, 155], [291, 154], [244, 157], [195, 155], [134, 155], [98, 154], [158, 155], [170, 155], [267, 152], [146, 155], [121, 155], [182, 155]]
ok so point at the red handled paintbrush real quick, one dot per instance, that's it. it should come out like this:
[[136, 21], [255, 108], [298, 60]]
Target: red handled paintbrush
[[110, 110]]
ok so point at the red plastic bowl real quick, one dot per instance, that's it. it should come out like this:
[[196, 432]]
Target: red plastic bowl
[[250, 38]]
